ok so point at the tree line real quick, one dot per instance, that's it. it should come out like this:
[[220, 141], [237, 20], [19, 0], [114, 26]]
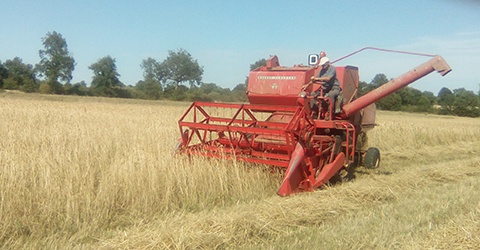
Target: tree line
[[179, 77], [460, 102]]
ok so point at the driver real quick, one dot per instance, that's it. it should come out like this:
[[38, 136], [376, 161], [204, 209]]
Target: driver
[[328, 77]]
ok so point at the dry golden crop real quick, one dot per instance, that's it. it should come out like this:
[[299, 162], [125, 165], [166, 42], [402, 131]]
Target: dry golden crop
[[82, 172]]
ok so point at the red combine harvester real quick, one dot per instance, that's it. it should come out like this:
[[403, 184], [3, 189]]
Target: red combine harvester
[[279, 128]]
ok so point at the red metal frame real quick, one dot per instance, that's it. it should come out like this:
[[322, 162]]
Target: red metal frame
[[244, 136]]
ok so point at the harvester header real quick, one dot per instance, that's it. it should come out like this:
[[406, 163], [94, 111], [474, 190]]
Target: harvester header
[[286, 126]]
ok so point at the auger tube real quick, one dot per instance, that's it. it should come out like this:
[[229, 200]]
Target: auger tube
[[435, 64]]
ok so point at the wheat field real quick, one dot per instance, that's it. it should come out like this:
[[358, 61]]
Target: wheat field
[[97, 173]]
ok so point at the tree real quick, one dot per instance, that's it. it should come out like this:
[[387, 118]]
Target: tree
[[176, 94], [446, 99], [410, 96], [3, 73], [431, 97], [424, 104], [150, 69], [239, 92], [79, 88], [390, 102], [105, 73], [466, 103], [378, 80], [151, 88], [240, 87], [56, 63], [180, 67], [208, 88], [105, 80], [363, 88], [20, 75], [151, 85], [258, 63]]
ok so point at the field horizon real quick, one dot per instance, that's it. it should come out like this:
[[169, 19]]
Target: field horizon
[[101, 173]]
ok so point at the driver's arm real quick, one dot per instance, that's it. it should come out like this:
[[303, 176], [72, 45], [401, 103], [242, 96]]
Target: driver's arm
[[322, 79]]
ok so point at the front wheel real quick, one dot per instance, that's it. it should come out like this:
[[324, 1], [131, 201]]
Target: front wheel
[[372, 158]]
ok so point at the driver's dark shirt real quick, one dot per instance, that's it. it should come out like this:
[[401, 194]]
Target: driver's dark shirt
[[329, 72]]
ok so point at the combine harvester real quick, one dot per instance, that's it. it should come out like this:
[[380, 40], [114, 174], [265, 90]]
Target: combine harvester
[[278, 127]]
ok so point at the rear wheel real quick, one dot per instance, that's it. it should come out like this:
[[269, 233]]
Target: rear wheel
[[372, 158]]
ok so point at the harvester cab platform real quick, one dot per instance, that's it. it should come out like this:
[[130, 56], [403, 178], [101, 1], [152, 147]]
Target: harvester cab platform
[[276, 85]]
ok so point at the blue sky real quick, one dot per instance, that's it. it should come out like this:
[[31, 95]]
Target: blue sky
[[227, 36]]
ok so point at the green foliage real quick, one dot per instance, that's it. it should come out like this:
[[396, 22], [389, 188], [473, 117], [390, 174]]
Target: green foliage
[[363, 88], [240, 87], [117, 92], [105, 75], [3, 73], [410, 96], [10, 83], [197, 94], [258, 63], [44, 88], [391, 102], [424, 104], [30, 87], [210, 87], [79, 88], [211, 92], [19, 75], [239, 93], [179, 67], [137, 94], [446, 99], [460, 102], [466, 103], [56, 63], [378, 80], [431, 97], [150, 88], [150, 69], [176, 94], [406, 99]]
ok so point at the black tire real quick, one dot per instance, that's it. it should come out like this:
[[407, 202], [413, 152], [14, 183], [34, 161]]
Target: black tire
[[372, 158]]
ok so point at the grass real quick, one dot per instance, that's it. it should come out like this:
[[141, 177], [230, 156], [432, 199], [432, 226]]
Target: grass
[[97, 173]]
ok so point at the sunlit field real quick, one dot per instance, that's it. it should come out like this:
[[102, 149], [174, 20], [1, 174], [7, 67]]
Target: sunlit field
[[98, 173]]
